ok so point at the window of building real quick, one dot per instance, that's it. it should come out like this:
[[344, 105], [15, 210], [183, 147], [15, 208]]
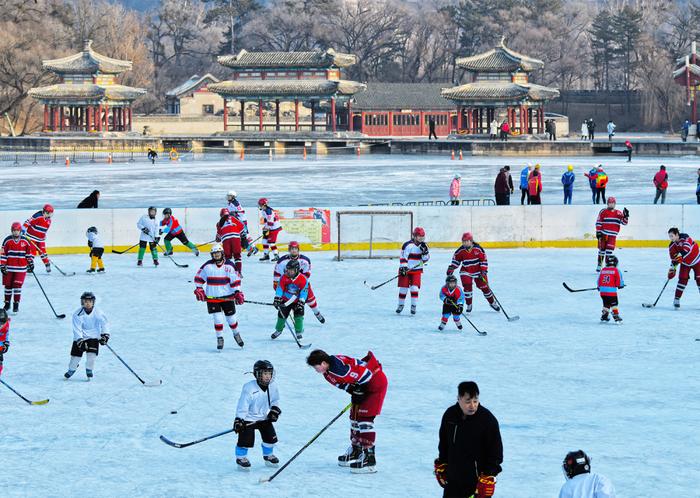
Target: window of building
[[207, 109]]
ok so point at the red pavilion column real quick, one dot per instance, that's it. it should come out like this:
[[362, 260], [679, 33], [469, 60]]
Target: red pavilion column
[[260, 115], [62, 119], [55, 125], [128, 112], [46, 117], [459, 118], [333, 114], [350, 123], [422, 123], [296, 114], [225, 114], [106, 117], [277, 114], [242, 115], [313, 116], [88, 118]]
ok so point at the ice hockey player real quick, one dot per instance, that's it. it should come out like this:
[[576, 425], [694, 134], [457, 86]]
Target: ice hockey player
[[4, 335], [149, 235], [97, 249], [580, 481], [607, 226], [172, 230], [270, 231], [15, 260], [367, 384], [304, 268], [152, 156], [90, 329], [230, 231], [35, 230], [219, 285], [684, 251], [609, 281], [290, 296], [414, 256], [235, 208], [258, 408], [452, 299], [470, 258]]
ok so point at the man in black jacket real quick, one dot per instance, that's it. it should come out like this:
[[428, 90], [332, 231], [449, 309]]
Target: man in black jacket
[[90, 202], [470, 448]]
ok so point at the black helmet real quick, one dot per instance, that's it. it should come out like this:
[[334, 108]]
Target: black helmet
[[92, 230], [168, 211], [261, 366], [87, 295], [575, 463], [611, 260], [293, 265], [152, 208], [3, 316], [451, 278]]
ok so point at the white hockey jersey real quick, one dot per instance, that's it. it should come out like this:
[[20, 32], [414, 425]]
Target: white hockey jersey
[[254, 403], [89, 326], [234, 207], [281, 266], [152, 224], [270, 219], [412, 257], [94, 240], [218, 281], [587, 485]]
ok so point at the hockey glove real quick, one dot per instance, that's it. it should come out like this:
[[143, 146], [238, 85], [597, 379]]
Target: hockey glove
[[30, 265], [239, 298], [81, 344], [217, 238], [238, 425], [671, 272], [200, 294], [277, 302], [156, 240], [677, 259], [423, 248], [485, 277], [460, 309], [486, 486], [403, 271], [104, 338], [358, 393], [274, 414], [626, 213], [4, 346], [3, 269], [299, 308], [145, 230], [440, 471], [599, 235], [265, 232]]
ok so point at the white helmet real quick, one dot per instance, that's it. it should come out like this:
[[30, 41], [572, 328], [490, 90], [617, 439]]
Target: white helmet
[[231, 193], [216, 248]]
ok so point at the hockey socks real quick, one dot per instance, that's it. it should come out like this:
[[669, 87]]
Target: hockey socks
[[299, 325], [168, 246], [142, 251]]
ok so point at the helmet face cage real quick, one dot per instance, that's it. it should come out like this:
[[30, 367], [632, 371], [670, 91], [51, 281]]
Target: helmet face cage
[[611, 260], [293, 266], [87, 296], [167, 211], [91, 230], [16, 226], [575, 463], [260, 367], [451, 279]]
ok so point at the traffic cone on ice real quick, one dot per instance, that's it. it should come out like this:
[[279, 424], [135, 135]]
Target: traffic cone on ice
[[304, 153], [358, 151], [67, 161], [269, 154], [453, 154], [242, 154], [460, 155], [109, 158]]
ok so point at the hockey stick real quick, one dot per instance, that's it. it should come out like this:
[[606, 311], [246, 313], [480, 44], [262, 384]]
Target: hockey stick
[[65, 274], [125, 250], [650, 305], [252, 248], [179, 265], [480, 332], [206, 243], [29, 401], [268, 479], [147, 384], [291, 331], [578, 290], [259, 302], [510, 318], [62, 315], [185, 445], [374, 287]]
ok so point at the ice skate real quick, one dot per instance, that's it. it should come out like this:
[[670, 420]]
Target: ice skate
[[91, 270], [7, 305], [605, 317], [219, 343], [237, 338], [196, 253], [676, 303], [459, 326], [100, 270], [15, 307], [413, 309], [275, 257], [319, 317], [441, 327], [618, 319], [468, 309], [271, 460], [168, 253], [252, 251], [276, 334], [69, 374], [243, 463], [299, 334], [265, 257], [366, 464], [156, 262], [495, 306], [352, 454], [399, 308], [48, 268], [89, 374], [139, 263]]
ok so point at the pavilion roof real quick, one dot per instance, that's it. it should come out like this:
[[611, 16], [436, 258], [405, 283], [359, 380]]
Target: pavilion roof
[[499, 59], [88, 91], [285, 88], [693, 68], [192, 84], [499, 91], [316, 59], [87, 62], [394, 96]]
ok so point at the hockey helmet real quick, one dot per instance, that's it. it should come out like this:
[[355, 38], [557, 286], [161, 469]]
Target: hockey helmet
[[293, 266], [224, 212], [167, 211], [575, 463], [262, 201], [418, 232], [611, 260], [612, 200], [451, 279], [16, 225], [217, 247], [91, 230], [3, 316], [48, 208], [467, 236], [152, 208], [260, 367], [293, 244], [231, 193], [570, 167], [87, 296]]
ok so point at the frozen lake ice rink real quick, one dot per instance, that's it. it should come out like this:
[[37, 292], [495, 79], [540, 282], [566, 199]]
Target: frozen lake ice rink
[[557, 380], [327, 181]]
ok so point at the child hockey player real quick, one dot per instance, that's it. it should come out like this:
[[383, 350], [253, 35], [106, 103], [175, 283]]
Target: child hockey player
[[149, 235], [96, 250], [35, 230], [305, 268], [15, 260], [291, 294], [90, 329], [270, 230], [452, 299], [258, 408], [172, 230], [609, 280], [4, 334], [414, 256]]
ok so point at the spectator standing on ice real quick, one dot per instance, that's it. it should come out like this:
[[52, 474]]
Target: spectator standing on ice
[[591, 175], [567, 180], [611, 130], [534, 188], [685, 130], [90, 202], [697, 187], [628, 146], [591, 129], [697, 130], [580, 481], [493, 130], [505, 131], [503, 187], [584, 130], [455, 188], [524, 176], [601, 181], [661, 184]]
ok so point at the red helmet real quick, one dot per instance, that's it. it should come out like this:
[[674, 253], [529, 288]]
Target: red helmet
[[262, 201], [293, 243], [48, 208], [16, 226], [612, 199], [223, 212], [467, 236], [418, 232]]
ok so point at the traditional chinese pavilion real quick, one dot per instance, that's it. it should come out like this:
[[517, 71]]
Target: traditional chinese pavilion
[[687, 73], [310, 78], [498, 80], [87, 98]]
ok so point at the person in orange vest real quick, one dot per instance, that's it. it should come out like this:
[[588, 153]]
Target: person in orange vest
[[534, 187], [661, 184], [601, 181]]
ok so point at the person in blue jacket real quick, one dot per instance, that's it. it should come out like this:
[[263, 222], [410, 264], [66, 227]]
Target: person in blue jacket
[[592, 176], [524, 177], [567, 179]]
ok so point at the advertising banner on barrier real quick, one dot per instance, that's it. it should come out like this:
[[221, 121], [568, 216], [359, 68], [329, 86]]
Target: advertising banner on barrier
[[305, 225]]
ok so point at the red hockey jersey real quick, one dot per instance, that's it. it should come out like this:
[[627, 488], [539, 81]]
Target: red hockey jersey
[[472, 261], [37, 226], [687, 249], [609, 280], [15, 254], [231, 228], [609, 222], [345, 371]]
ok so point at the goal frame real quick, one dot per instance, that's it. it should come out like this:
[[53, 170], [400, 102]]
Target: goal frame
[[371, 214]]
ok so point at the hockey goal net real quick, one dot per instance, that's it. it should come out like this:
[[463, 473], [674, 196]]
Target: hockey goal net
[[372, 234]]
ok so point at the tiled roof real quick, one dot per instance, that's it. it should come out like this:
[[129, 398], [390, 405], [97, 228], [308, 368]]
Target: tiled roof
[[681, 70], [192, 84], [499, 91], [499, 59], [86, 92], [390, 96], [316, 59], [87, 62], [285, 88]]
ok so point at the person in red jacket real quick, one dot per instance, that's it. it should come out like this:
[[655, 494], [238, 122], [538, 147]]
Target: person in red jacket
[[683, 250], [534, 187], [609, 281], [367, 384], [4, 334], [230, 231], [661, 184], [607, 227], [473, 266], [15, 259], [35, 229]]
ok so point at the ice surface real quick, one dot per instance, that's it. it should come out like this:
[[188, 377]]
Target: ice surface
[[557, 380], [329, 181]]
